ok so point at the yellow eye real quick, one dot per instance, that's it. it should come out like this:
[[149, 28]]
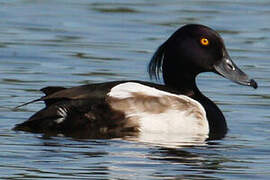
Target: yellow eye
[[204, 42]]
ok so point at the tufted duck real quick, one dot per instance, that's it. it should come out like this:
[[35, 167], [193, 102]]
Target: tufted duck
[[121, 108]]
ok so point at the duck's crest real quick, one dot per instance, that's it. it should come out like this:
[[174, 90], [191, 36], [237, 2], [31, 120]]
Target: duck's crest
[[155, 65]]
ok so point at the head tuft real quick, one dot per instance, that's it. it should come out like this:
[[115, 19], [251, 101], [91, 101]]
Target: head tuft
[[155, 65]]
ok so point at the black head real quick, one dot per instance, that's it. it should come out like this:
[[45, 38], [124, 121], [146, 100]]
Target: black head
[[193, 49]]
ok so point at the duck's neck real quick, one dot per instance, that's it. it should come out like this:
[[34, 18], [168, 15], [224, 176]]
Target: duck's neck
[[186, 84]]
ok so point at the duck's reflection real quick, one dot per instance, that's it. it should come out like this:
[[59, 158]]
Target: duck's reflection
[[191, 162], [115, 157]]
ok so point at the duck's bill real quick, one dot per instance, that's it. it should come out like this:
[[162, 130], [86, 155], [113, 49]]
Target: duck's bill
[[229, 70]]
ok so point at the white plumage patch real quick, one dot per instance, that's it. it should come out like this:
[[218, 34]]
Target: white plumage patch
[[61, 111], [159, 112]]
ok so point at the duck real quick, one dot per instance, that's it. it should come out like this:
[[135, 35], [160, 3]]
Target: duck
[[129, 108]]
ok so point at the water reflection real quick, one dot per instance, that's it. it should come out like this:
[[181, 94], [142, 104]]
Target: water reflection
[[192, 164], [99, 158], [170, 140], [201, 161], [57, 157]]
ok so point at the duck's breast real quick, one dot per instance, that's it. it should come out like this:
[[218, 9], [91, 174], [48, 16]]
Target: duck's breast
[[157, 111]]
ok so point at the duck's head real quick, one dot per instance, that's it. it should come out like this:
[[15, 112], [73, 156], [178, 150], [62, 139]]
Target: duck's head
[[193, 49]]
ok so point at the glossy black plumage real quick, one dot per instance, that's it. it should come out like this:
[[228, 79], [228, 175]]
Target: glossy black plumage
[[180, 59]]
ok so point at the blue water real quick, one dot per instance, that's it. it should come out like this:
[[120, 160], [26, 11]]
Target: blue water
[[70, 43]]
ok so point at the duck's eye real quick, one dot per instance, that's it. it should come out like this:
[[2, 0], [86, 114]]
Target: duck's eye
[[204, 41]]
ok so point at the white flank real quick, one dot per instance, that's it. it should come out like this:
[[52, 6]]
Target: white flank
[[179, 115], [61, 111]]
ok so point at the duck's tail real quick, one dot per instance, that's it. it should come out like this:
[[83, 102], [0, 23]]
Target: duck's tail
[[30, 102]]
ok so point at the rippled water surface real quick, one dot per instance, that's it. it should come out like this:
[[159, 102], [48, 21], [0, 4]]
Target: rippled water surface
[[69, 43]]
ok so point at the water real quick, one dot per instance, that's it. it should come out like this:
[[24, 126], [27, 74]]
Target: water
[[47, 43]]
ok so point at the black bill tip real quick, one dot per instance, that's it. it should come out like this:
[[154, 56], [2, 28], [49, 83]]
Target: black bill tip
[[253, 83]]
